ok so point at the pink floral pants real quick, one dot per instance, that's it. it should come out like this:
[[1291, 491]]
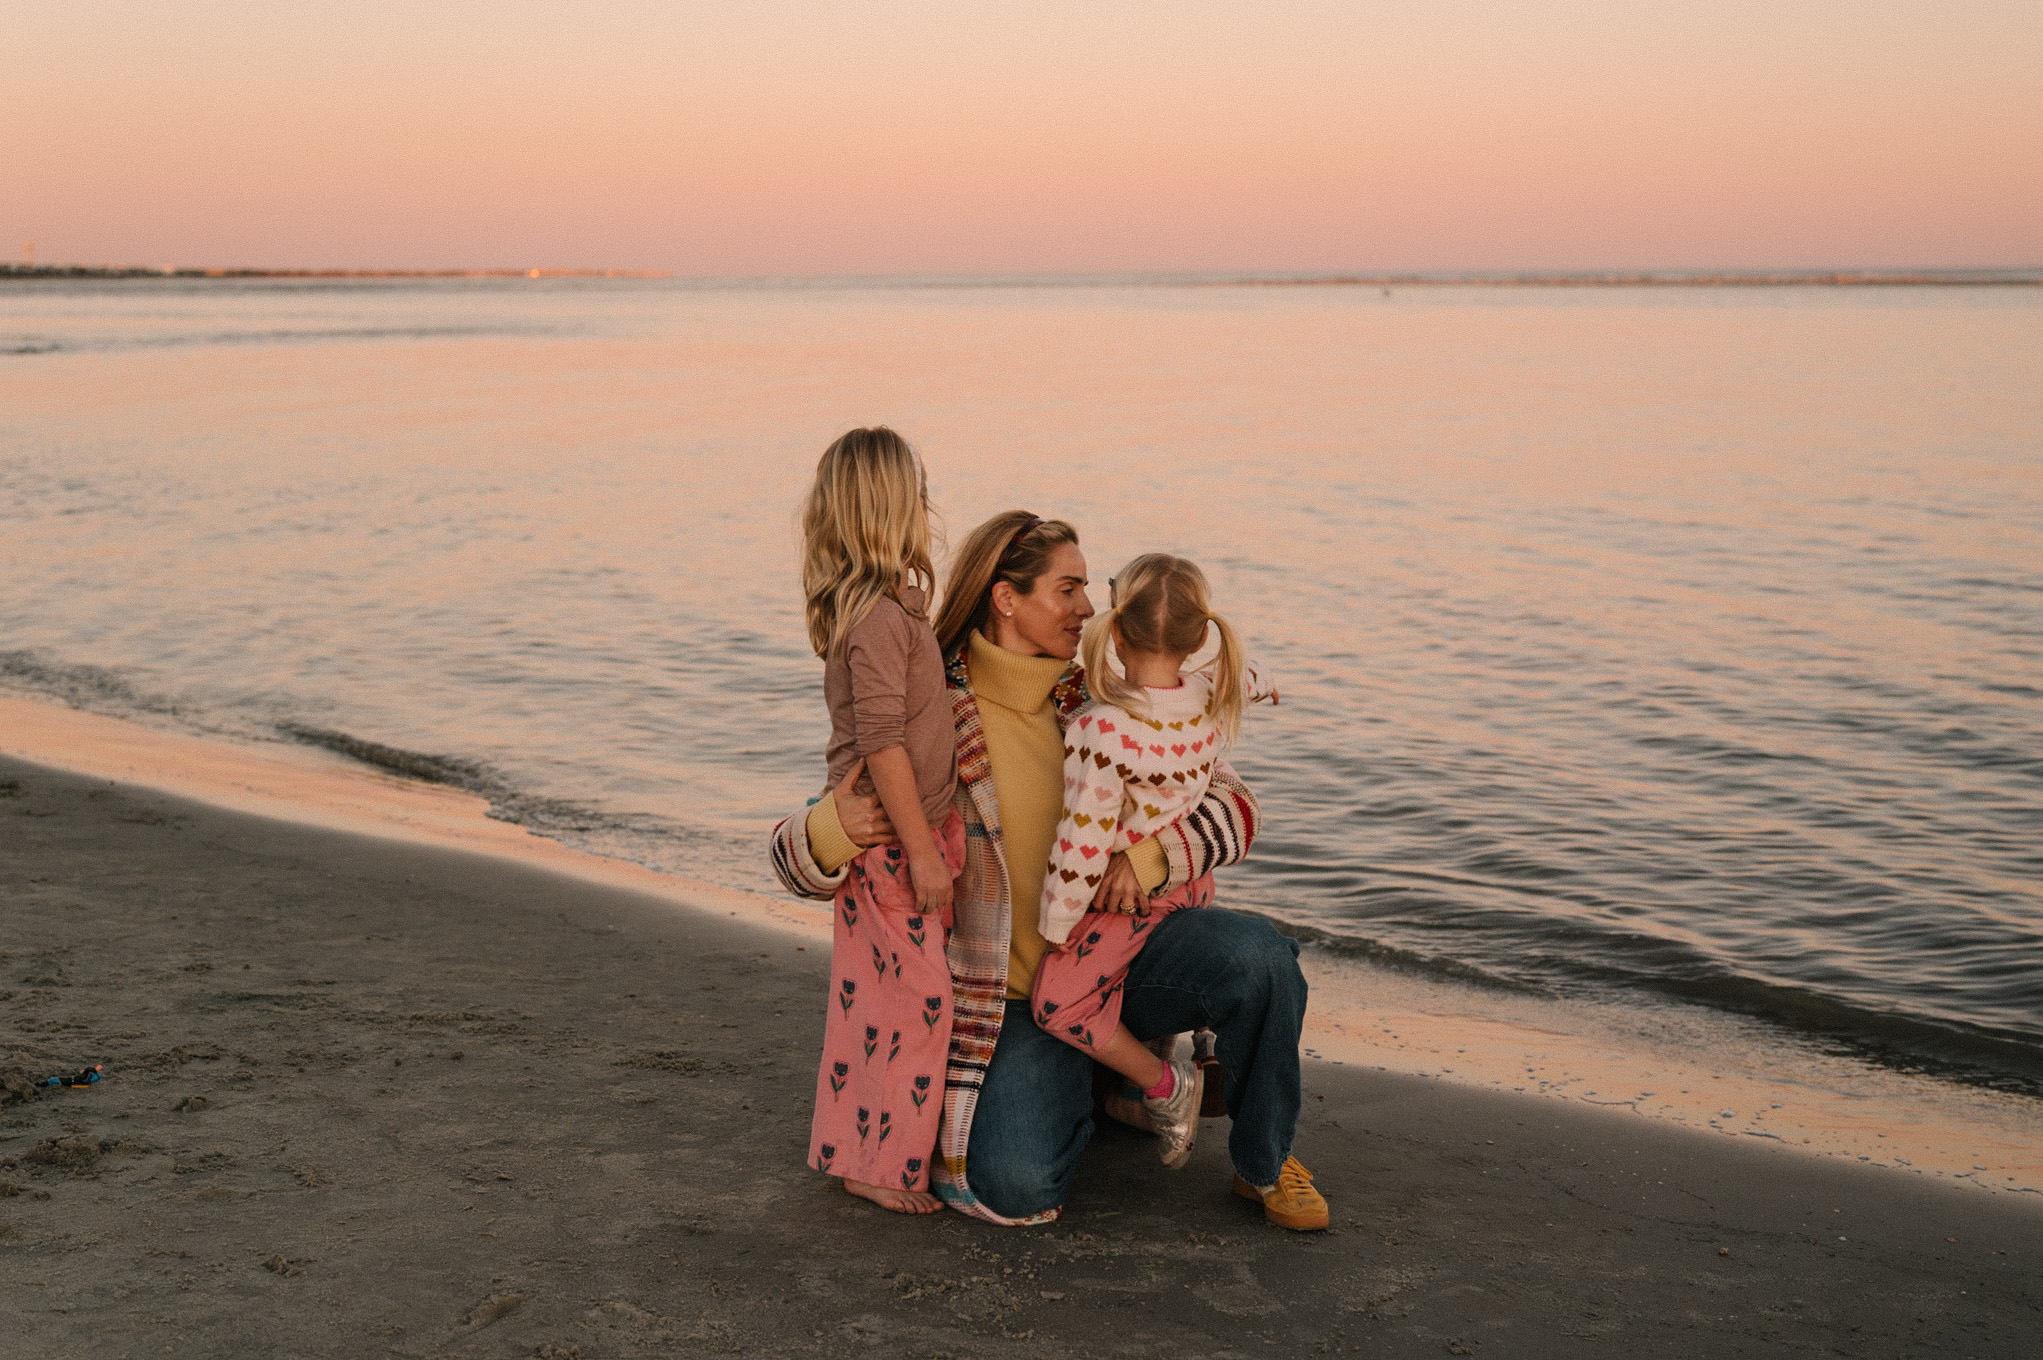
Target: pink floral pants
[[1077, 996], [888, 1033]]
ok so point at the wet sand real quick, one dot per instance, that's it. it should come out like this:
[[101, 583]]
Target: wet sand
[[437, 1102]]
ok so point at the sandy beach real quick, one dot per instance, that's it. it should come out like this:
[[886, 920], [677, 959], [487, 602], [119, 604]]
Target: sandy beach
[[370, 1097]]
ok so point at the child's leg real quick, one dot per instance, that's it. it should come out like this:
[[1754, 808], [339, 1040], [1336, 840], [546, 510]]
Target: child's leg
[[840, 1084], [1170, 1092], [1078, 993], [1130, 1057], [1078, 989], [887, 1038]]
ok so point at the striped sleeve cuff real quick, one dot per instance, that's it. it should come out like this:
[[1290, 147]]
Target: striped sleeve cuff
[[1214, 834], [795, 865], [1151, 863], [828, 844]]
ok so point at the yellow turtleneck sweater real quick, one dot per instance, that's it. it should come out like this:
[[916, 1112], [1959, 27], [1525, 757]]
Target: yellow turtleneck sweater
[[1025, 747]]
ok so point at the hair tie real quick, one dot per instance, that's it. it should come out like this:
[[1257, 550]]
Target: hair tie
[[1014, 541]]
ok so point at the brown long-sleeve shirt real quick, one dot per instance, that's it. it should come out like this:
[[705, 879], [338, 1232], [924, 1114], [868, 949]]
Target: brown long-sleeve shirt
[[885, 687]]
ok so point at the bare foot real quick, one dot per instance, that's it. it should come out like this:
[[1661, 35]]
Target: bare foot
[[900, 1201]]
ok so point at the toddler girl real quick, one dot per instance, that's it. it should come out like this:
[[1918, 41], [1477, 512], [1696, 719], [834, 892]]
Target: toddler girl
[[866, 572], [1138, 756]]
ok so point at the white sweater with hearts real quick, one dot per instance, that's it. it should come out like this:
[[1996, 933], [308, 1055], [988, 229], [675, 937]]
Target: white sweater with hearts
[[1126, 777]]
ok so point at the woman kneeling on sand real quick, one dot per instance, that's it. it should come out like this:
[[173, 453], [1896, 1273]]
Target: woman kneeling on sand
[[1017, 1108]]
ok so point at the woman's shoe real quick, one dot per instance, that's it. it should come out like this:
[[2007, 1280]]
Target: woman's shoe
[[1292, 1202], [1175, 1117]]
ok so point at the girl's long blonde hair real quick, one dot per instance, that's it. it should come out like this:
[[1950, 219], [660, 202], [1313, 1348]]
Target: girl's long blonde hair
[[865, 532], [1163, 605]]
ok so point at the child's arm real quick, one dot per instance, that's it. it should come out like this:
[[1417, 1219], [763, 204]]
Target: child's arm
[[1217, 832], [1093, 792], [876, 654], [894, 780], [1258, 685]]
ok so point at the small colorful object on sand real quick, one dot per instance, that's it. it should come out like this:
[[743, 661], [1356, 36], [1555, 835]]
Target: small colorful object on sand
[[83, 1077]]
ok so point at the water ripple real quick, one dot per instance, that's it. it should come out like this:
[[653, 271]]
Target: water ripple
[[1635, 642]]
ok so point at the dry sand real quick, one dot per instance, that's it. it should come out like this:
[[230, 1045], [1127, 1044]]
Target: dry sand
[[367, 1097]]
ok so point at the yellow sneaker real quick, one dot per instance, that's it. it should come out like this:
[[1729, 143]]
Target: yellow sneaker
[[1292, 1202]]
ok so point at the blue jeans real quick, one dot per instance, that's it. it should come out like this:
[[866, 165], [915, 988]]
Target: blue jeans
[[1231, 973]]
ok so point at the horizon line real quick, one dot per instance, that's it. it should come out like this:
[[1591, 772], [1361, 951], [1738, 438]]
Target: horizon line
[[18, 269], [1996, 276]]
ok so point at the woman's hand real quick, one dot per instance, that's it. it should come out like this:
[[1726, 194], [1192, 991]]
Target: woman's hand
[[860, 814], [1120, 890]]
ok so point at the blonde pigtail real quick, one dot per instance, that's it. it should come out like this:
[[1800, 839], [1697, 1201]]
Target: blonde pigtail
[[1225, 705], [1105, 683]]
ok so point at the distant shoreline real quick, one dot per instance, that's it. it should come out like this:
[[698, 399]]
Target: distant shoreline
[[130, 271], [1867, 278], [1991, 278]]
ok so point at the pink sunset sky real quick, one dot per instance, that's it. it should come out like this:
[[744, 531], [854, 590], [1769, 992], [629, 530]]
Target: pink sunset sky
[[954, 136]]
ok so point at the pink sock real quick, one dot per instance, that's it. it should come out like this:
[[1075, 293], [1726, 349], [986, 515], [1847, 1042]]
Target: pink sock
[[1164, 1086]]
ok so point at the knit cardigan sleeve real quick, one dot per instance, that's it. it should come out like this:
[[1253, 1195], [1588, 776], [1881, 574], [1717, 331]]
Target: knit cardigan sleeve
[[1093, 793], [796, 867], [1215, 833]]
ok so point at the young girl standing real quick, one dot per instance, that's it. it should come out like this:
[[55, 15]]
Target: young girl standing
[[866, 573], [1138, 756]]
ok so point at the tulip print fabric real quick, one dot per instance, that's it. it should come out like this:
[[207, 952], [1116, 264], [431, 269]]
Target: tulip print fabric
[[1078, 986], [888, 1032]]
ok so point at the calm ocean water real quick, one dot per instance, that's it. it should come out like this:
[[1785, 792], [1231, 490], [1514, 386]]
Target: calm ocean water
[[1685, 640]]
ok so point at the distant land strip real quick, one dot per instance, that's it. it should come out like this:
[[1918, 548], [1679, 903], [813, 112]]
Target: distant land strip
[[130, 271], [1995, 278], [1868, 278]]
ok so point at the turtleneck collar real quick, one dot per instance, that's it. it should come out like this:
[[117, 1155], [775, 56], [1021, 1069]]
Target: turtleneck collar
[[1017, 682]]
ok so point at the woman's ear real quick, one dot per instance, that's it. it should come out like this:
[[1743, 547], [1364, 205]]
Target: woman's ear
[[1003, 595]]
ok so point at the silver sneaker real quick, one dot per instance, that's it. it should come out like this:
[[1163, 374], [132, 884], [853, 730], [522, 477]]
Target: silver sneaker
[[1176, 1116]]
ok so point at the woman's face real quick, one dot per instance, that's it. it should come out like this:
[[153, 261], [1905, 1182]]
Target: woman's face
[[1049, 619]]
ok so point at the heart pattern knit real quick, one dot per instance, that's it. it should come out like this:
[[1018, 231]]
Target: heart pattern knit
[[1127, 776]]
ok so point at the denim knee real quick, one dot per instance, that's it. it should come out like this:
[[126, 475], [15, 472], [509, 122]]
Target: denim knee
[[1016, 1186], [1257, 955], [1270, 959], [1033, 1119], [1260, 944]]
